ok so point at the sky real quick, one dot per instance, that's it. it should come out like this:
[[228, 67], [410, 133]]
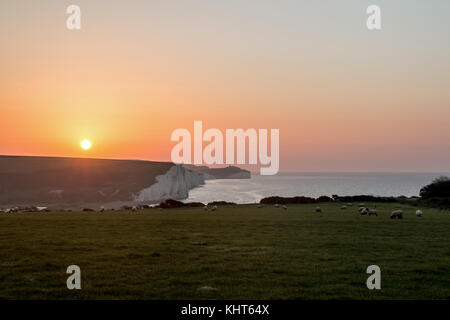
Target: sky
[[344, 98]]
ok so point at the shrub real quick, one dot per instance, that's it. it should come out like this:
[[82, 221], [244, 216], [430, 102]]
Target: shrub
[[221, 203], [287, 200], [170, 203], [324, 199], [439, 188], [194, 204]]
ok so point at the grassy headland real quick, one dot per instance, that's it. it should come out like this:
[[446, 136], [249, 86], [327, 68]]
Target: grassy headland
[[236, 252]]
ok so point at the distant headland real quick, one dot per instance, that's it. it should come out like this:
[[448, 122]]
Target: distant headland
[[77, 182]]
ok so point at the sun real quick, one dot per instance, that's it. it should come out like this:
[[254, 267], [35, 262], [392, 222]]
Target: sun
[[86, 144]]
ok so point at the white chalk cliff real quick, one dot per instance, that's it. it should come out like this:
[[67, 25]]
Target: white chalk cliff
[[174, 184]]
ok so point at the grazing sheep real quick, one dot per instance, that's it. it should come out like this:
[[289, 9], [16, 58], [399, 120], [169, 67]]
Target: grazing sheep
[[214, 208], [373, 212], [343, 207], [319, 210], [285, 207], [397, 214], [363, 211], [134, 208], [419, 213], [260, 206], [277, 205]]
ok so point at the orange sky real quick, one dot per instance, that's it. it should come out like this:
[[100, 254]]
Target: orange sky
[[344, 98]]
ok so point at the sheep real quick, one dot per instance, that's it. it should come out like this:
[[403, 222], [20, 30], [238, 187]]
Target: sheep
[[134, 208], [285, 207], [363, 211], [319, 209], [260, 206], [277, 205], [214, 208], [419, 213], [343, 207], [373, 212], [397, 214]]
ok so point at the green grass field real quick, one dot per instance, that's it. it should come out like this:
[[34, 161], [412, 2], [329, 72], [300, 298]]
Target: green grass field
[[239, 252]]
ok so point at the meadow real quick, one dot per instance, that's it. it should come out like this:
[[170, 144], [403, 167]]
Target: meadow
[[236, 252]]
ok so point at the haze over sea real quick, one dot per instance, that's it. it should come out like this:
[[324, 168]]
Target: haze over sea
[[312, 185]]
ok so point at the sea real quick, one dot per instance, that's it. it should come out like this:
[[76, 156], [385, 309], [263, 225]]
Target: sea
[[312, 185]]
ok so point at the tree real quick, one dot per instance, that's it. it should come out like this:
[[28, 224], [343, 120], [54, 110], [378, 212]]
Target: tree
[[439, 188]]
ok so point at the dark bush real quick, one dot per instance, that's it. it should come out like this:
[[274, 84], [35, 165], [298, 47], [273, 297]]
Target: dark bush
[[363, 198], [324, 199], [170, 203], [221, 203], [287, 200], [439, 188], [194, 204]]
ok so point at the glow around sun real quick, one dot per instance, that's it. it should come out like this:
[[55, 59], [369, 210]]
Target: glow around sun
[[86, 144]]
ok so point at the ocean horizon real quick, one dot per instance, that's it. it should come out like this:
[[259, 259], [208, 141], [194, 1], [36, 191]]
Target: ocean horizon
[[313, 184]]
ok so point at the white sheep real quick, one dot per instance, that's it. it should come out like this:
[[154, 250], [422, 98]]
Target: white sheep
[[397, 214], [343, 207], [285, 207], [214, 208], [419, 213], [277, 205], [319, 209]]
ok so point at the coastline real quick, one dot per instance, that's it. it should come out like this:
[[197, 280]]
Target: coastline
[[312, 184]]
